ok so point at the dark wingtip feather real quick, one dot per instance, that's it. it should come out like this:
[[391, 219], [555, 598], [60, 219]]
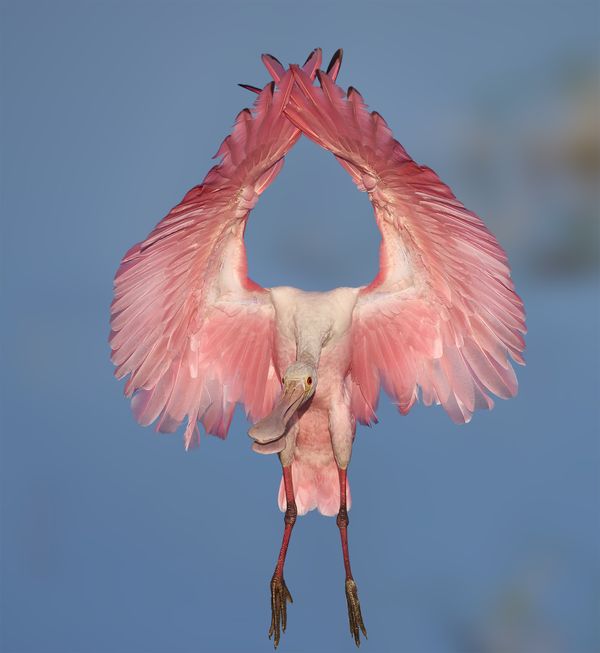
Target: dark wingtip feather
[[272, 57], [312, 54], [244, 112], [249, 87], [352, 91], [274, 66], [336, 59]]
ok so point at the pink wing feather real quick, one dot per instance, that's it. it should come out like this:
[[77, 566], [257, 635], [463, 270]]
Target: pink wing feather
[[193, 333], [442, 313]]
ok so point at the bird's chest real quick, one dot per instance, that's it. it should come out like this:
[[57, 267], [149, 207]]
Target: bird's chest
[[299, 332]]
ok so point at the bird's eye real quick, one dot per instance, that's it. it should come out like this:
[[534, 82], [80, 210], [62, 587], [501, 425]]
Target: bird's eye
[[283, 380], [309, 380]]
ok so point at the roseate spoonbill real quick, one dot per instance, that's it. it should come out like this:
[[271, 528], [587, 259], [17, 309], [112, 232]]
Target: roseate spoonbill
[[196, 335]]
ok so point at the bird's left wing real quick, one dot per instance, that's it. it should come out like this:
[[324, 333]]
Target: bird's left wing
[[442, 314], [192, 331]]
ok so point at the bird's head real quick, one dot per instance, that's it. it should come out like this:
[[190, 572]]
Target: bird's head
[[299, 383], [303, 376]]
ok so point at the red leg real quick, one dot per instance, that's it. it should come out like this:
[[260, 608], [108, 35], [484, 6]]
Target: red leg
[[280, 594], [354, 613]]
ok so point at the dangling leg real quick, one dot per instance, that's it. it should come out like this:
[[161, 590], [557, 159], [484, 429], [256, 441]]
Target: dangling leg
[[280, 594], [354, 614], [342, 428]]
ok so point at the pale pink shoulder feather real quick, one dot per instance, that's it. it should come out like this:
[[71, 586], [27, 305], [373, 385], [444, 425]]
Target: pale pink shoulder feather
[[442, 314]]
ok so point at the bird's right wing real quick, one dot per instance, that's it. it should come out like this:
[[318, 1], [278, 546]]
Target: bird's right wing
[[194, 334], [442, 314]]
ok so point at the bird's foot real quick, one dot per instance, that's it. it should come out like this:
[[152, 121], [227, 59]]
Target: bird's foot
[[354, 614], [280, 595]]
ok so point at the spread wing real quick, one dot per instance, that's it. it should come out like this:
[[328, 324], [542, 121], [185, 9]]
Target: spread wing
[[192, 331], [442, 314]]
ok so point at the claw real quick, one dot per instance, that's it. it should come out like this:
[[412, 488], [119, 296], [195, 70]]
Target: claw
[[280, 596], [354, 614]]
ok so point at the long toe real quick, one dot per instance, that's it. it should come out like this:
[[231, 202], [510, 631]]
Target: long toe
[[354, 614], [280, 595]]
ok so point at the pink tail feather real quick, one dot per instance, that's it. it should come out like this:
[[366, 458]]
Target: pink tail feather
[[315, 487]]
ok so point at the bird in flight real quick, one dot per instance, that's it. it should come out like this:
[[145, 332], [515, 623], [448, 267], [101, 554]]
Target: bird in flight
[[195, 335]]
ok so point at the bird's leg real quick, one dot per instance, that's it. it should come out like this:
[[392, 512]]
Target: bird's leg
[[280, 594], [354, 614]]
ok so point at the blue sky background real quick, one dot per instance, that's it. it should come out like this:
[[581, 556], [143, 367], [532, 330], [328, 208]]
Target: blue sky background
[[482, 538]]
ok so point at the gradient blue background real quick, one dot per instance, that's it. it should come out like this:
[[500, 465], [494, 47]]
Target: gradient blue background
[[479, 539]]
